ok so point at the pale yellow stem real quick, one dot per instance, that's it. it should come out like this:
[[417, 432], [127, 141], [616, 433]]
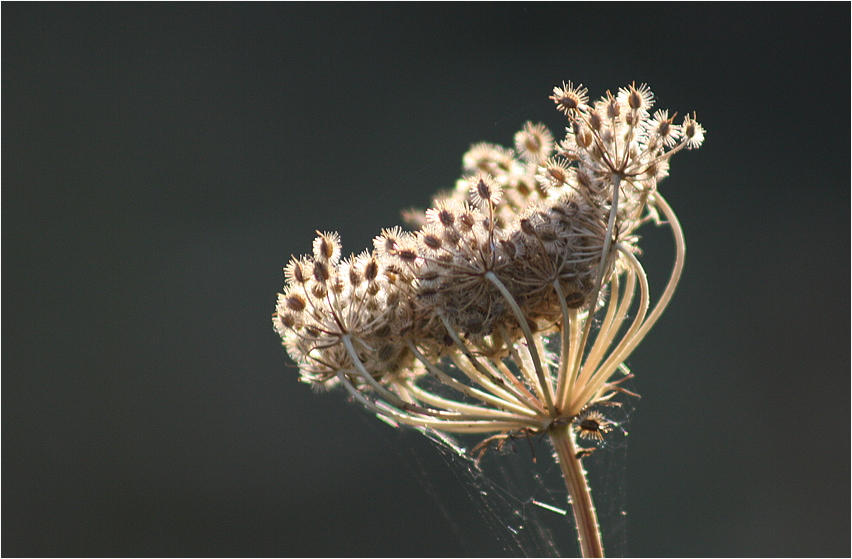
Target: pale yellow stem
[[585, 516], [545, 384], [485, 397], [620, 353]]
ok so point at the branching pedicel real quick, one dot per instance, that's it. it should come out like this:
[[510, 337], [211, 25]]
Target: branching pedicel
[[446, 328]]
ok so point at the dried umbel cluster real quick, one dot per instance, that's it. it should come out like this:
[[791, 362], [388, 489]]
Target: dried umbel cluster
[[532, 243], [480, 321]]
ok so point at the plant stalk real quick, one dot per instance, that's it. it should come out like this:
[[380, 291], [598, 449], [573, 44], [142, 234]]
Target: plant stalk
[[588, 531]]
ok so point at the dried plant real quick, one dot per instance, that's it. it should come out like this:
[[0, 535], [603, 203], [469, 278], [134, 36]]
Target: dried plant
[[448, 327]]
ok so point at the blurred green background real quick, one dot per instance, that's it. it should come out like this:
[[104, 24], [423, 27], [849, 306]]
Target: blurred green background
[[161, 162]]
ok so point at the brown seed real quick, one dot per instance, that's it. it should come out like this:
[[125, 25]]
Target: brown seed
[[298, 275], [326, 248], [467, 221], [320, 272], [407, 255], [483, 190], [432, 241], [371, 270], [295, 303], [431, 275], [354, 276], [446, 218]]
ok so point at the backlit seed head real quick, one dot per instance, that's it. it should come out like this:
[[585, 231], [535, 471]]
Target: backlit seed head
[[327, 248], [431, 240], [611, 107], [294, 272], [595, 120], [570, 99], [295, 302], [337, 285], [583, 136], [467, 220], [637, 98], [429, 276], [286, 321], [488, 158], [442, 215], [319, 291], [320, 272], [389, 241], [371, 269], [555, 173], [450, 237], [584, 179], [661, 127], [485, 270], [693, 132], [407, 255], [373, 289], [484, 191], [355, 277], [534, 142]]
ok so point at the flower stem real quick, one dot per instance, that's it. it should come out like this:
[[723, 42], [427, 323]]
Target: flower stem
[[588, 531]]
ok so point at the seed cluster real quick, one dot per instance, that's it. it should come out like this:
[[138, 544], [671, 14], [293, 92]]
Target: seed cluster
[[529, 238]]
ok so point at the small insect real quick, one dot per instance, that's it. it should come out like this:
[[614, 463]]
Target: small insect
[[499, 441], [592, 425]]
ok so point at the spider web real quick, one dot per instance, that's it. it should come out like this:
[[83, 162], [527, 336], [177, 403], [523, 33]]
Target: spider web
[[521, 495]]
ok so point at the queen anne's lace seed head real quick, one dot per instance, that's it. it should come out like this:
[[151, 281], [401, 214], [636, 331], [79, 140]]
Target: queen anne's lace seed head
[[534, 142], [327, 248], [638, 99], [533, 247], [484, 191], [693, 132], [569, 99], [489, 158], [532, 242], [555, 173], [663, 130]]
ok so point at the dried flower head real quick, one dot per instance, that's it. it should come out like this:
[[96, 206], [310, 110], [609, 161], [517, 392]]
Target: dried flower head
[[636, 98], [570, 99], [534, 142], [533, 247]]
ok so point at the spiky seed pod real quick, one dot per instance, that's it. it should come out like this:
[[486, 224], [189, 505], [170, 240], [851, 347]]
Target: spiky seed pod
[[294, 272], [582, 135], [534, 142], [693, 132], [295, 302], [570, 99], [637, 98], [484, 191], [443, 213], [431, 241], [327, 248]]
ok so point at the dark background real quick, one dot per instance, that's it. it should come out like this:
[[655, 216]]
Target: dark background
[[162, 162]]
